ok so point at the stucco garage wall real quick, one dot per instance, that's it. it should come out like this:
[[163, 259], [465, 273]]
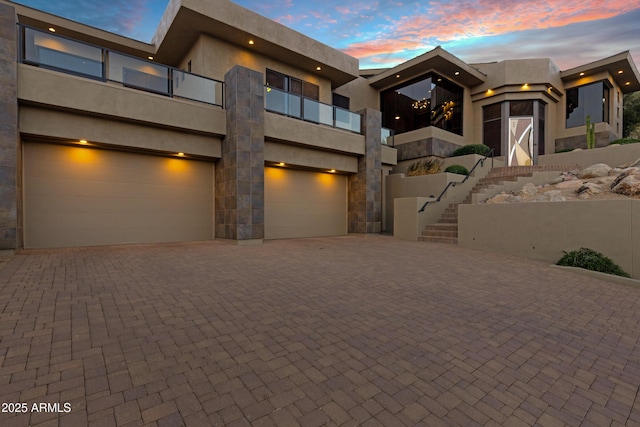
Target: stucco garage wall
[[302, 203], [543, 230], [79, 196]]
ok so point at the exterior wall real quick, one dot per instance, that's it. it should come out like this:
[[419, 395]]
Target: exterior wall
[[10, 185], [361, 94], [305, 157], [612, 155], [544, 230], [211, 57]]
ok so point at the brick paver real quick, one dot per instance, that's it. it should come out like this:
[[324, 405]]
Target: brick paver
[[335, 331]]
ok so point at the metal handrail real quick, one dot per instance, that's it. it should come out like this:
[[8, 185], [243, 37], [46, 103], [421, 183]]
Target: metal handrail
[[453, 184]]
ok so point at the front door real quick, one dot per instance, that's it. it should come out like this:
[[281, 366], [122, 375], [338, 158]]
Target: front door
[[521, 151]]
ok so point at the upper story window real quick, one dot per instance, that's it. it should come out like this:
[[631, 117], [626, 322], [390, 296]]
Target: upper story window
[[589, 100], [292, 85], [430, 100]]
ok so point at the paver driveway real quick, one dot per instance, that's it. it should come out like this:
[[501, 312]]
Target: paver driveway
[[335, 331]]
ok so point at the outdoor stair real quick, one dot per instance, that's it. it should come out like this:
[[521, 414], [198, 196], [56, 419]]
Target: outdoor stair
[[446, 229]]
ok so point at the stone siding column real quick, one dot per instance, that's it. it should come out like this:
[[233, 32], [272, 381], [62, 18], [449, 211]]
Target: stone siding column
[[365, 187], [10, 195], [239, 199]]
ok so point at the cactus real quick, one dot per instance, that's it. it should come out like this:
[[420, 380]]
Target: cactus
[[591, 134]]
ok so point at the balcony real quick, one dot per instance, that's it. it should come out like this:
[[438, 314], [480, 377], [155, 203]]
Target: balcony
[[54, 52], [299, 107]]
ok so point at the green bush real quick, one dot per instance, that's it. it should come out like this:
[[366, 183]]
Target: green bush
[[623, 141], [591, 260], [425, 166], [480, 149], [565, 150], [459, 169]]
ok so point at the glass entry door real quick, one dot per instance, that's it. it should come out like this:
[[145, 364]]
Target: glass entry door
[[521, 151]]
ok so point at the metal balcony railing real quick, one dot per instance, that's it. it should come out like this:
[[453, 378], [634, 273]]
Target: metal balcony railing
[[59, 53]]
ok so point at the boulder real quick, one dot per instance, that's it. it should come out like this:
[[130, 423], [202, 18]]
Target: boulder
[[588, 189], [503, 198], [551, 196], [595, 171], [527, 191], [572, 184], [628, 182]]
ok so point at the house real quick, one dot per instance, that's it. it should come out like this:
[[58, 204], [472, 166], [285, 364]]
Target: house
[[231, 126]]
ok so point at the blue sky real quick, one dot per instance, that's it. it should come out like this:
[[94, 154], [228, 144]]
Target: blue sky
[[383, 33]]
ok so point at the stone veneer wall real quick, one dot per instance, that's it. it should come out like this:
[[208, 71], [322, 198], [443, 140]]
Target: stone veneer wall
[[365, 187], [10, 200], [239, 198], [425, 147], [602, 140]]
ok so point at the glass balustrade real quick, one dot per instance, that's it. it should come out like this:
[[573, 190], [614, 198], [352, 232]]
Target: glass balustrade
[[385, 136], [289, 104], [59, 53]]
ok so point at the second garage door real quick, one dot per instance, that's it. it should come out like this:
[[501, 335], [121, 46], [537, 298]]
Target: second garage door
[[304, 204]]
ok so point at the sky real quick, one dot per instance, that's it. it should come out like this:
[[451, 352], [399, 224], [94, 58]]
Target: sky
[[384, 33]]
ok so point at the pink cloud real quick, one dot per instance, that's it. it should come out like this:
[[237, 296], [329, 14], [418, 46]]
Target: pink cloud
[[457, 20]]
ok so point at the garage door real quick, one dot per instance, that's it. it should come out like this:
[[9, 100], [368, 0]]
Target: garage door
[[304, 204], [80, 196]]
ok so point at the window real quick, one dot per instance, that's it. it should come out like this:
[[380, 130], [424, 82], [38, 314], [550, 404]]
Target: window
[[430, 100], [341, 101], [292, 85], [492, 127], [590, 100]]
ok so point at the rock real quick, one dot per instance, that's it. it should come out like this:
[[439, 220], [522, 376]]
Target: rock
[[572, 184], [503, 198], [557, 180], [630, 165], [628, 182], [588, 189], [527, 191], [595, 171], [551, 196]]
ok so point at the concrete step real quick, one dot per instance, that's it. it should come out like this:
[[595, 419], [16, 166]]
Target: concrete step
[[448, 240]]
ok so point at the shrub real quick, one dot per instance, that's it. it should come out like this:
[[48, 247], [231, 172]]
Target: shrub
[[565, 150], [623, 141], [459, 169], [480, 149], [591, 260], [425, 166]]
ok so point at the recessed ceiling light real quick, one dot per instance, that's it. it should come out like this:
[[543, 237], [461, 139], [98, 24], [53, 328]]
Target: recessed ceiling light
[[397, 76], [180, 154], [457, 73], [251, 42], [53, 30], [280, 164], [150, 57], [581, 74], [332, 171], [627, 84], [620, 72], [318, 68], [83, 141]]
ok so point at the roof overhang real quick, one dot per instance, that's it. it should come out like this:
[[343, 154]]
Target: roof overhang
[[437, 60], [185, 20], [621, 67]]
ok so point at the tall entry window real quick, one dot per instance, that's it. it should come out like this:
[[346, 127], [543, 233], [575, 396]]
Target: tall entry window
[[589, 100], [430, 100]]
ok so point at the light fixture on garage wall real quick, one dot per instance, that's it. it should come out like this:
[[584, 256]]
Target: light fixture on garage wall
[[83, 142]]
